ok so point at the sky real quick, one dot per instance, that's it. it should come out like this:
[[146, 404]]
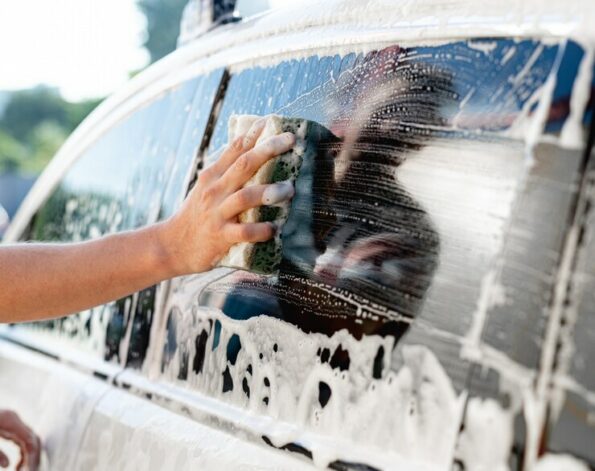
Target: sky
[[86, 48]]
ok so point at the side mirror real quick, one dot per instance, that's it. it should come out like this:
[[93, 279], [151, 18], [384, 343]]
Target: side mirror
[[4, 220]]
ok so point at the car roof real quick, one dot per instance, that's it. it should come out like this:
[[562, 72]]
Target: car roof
[[417, 19]]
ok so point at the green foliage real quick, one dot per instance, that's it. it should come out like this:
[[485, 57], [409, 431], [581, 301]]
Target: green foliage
[[28, 108], [163, 25], [76, 112], [36, 122], [45, 140], [34, 125], [12, 153]]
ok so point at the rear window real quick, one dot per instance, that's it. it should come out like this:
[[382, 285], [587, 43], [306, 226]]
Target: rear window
[[418, 261]]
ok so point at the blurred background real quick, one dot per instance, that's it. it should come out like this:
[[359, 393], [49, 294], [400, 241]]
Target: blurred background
[[59, 60]]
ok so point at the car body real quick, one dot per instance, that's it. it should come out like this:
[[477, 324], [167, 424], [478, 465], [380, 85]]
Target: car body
[[433, 309]]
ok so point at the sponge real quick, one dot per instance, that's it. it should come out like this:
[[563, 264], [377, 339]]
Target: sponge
[[264, 257]]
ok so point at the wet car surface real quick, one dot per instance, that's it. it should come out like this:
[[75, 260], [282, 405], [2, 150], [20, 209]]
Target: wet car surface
[[433, 304]]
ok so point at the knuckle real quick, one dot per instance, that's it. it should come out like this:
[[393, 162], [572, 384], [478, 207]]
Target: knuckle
[[209, 193], [244, 232], [229, 235], [243, 198], [278, 144], [237, 144], [204, 176], [269, 147], [243, 163]]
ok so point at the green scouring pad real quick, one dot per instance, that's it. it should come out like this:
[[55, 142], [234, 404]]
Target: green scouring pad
[[264, 257]]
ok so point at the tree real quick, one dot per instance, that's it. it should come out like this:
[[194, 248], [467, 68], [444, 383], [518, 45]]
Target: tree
[[12, 153], [29, 108], [34, 125], [76, 112], [163, 25], [45, 141]]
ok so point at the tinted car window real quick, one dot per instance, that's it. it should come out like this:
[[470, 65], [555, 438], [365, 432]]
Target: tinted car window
[[420, 254], [133, 175]]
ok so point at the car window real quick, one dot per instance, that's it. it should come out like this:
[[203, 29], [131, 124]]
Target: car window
[[419, 257], [131, 176]]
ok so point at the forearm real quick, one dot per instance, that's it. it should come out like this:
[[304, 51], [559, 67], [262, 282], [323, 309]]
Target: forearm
[[84, 274], [40, 281]]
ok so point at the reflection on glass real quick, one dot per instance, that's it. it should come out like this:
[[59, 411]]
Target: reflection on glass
[[360, 250], [419, 256]]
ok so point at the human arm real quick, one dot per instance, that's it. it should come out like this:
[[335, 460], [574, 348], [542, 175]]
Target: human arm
[[42, 281]]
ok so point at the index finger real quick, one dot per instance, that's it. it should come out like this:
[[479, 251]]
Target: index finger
[[249, 163], [240, 145]]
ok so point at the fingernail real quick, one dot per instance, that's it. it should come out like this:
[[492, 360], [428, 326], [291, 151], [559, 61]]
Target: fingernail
[[254, 129], [288, 137], [281, 142], [277, 192], [259, 123]]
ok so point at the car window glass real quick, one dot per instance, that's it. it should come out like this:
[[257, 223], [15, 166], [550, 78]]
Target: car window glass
[[119, 183], [420, 252], [193, 137]]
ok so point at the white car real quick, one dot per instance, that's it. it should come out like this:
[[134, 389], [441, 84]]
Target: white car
[[434, 307]]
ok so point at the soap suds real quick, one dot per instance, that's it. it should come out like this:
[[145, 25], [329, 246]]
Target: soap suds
[[282, 368], [553, 462], [486, 439], [485, 47], [573, 134]]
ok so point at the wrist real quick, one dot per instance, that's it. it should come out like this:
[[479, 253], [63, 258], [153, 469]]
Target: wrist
[[166, 253]]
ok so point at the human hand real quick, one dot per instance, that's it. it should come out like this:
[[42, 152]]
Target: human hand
[[206, 226], [13, 429]]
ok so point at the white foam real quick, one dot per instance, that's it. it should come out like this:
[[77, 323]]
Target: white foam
[[425, 411], [486, 441], [573, 133], [552, 462]]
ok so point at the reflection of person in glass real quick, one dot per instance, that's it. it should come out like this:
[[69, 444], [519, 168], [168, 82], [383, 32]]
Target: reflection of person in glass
[[358, 251]]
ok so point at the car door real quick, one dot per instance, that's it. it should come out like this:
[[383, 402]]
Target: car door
[[412, 320], [412, 316], [132, 174]]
